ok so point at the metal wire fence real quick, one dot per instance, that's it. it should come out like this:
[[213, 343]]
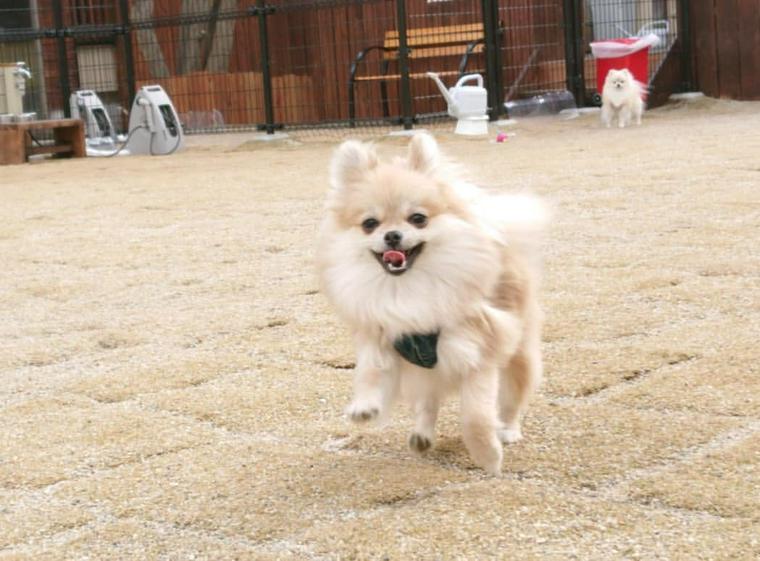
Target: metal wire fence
[[279, 64]]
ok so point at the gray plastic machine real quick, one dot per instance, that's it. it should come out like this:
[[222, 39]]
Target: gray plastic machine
[[99, 131], [154, 126]]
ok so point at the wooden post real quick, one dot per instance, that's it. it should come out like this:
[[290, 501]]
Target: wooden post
[[73, 135], [403, 64], [11, 146]]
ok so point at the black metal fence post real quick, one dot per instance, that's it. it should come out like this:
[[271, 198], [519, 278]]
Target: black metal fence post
[[63, 59], [129, 60], [262, 11], [574, 50], [684, 32], [403, 65], [492, 37]]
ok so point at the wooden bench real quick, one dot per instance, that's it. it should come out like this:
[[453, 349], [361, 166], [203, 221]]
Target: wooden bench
[[16, 141], [423, 43]]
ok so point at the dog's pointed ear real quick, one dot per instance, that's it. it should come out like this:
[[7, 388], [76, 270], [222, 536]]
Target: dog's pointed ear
[[424, 155], [351, 162]]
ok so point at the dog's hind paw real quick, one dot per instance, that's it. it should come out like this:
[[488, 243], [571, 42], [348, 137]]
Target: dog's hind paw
[[419, 443]]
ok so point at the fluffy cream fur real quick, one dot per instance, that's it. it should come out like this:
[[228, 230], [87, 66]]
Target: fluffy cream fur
[[475, 281], [622, 98]]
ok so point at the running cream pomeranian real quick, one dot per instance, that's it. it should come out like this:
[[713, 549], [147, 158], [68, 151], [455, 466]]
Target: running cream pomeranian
[[622, 97], [437, 280]]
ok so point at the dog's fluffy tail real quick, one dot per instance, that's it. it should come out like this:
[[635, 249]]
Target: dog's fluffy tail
[[511, 219], [518, 216], [642, 89], [518, 223]]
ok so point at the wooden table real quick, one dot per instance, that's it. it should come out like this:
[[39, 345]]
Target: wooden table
[[16, 144]]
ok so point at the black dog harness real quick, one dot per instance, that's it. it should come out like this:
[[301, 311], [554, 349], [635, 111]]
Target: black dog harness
[[418, 349]]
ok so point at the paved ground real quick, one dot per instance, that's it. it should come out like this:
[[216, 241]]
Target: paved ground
[[171, 381]]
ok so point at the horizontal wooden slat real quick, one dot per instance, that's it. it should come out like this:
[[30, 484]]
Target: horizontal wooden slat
[[475, 26], [413, 75], [442, 29], [50, 124], [430, 52], [454, 34], [57, 149]]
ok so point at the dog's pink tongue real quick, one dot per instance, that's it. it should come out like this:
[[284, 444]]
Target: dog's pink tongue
[[395, 258]]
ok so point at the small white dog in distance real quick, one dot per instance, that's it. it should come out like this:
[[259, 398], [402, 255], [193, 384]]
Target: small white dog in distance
[[438, 283], [622, 97]]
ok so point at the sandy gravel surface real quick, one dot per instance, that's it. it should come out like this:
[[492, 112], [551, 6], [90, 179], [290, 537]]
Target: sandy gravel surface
[[172, 382]]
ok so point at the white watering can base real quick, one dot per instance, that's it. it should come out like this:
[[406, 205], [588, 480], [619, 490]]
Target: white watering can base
[[472, 126]]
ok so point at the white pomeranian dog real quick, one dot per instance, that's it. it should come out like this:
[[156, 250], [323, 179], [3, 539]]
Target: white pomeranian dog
[[438, 282], [622, 98]]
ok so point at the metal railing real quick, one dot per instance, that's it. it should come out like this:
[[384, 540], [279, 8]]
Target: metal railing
[[279, 64]]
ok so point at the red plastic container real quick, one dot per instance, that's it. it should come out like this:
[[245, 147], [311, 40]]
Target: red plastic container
[[635, 59]]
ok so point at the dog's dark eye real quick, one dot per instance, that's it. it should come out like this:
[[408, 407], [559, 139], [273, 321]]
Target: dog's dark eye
[[369, 225], [419, 220]]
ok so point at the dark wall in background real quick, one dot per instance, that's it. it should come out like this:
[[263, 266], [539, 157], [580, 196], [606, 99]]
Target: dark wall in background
[[726, 47]]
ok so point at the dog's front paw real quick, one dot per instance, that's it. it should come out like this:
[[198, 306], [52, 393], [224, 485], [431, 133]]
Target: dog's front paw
[[510, 435], [420, 443], [363, 411], [489, 459]]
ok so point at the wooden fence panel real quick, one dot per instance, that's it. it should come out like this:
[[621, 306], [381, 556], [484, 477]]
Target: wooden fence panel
[[704, 49], [726, 28], [726, 47], [204, 99], [749, 34]]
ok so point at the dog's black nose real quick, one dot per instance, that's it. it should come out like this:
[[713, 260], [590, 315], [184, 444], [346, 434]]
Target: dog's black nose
[[393, 238]]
